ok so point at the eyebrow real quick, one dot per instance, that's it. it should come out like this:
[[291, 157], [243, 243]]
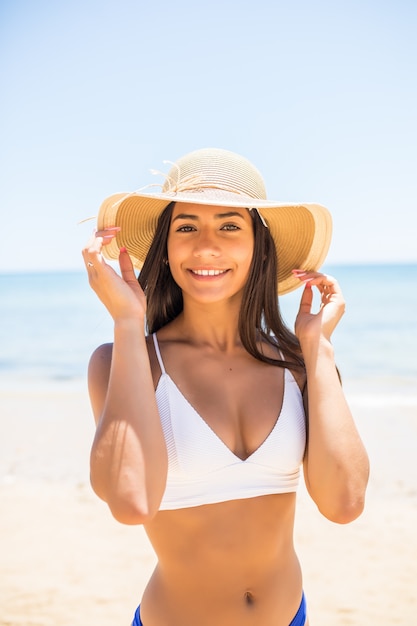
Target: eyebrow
[[188, 216]]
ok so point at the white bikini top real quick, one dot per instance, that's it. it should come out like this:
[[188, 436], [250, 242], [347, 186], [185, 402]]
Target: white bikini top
[[203, 470]]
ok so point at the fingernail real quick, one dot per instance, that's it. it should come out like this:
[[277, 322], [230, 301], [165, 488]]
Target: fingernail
[[300, 274], [122, 249]]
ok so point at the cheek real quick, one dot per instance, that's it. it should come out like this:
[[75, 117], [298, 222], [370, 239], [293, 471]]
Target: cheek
[[244, 255], [174, 260], [173, 251], [247, 265]]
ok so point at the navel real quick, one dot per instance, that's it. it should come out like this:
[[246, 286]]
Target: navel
[[249, 598]]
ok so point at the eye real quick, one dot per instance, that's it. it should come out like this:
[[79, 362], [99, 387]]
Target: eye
[[230, 227], [185, 229]]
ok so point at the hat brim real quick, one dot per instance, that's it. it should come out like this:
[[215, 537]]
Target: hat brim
[[301, 231]]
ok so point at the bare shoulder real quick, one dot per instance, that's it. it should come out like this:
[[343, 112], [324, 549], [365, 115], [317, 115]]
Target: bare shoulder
[[99, 373], [100, 360]]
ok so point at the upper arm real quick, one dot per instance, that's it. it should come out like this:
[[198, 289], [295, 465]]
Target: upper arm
[[99, 374], [98, 378]]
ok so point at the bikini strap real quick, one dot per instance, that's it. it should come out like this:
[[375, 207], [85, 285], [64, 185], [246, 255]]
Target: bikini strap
[[158, 353]]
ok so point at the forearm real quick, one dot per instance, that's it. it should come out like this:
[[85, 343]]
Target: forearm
[[336, 465], [128, 457]]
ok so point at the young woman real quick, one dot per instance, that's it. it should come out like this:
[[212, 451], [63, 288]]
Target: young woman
[[203, 424]]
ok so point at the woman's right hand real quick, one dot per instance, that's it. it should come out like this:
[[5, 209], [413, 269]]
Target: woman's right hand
[[121, 295]]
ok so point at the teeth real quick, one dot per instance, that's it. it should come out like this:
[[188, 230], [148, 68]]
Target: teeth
[[208, 272]]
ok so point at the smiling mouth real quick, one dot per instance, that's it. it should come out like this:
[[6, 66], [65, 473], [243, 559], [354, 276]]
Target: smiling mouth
[[208, 272]]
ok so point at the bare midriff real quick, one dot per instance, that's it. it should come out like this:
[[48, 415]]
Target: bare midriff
[[243, 573]]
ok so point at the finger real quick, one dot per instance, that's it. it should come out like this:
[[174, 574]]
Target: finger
[[310, 275], [313, 278], [126, 266], [324, 282], [306, 299], [107, 234], [92, 252]]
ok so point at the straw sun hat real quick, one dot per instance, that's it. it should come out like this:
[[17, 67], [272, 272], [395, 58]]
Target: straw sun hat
[[301, 231]]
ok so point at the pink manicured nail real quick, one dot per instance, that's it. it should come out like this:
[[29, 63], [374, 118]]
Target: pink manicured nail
[[123, 249], [300, 274]]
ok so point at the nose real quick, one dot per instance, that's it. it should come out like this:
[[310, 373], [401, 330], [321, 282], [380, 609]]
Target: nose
[[206, 245]]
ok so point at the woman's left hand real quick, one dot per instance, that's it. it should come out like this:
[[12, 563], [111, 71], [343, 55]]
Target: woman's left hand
[[311, 326]]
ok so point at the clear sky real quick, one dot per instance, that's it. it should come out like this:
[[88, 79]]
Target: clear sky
[[320, 96]]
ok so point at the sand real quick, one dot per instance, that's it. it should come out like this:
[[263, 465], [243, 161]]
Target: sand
[[64, 560]]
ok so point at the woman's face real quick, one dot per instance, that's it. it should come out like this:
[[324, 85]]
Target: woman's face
[[210, 250]]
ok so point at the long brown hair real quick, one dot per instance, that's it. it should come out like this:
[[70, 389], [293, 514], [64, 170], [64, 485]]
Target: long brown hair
[[260, 315]]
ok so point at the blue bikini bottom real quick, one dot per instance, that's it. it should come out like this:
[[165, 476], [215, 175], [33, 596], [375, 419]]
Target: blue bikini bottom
[[299, 618]]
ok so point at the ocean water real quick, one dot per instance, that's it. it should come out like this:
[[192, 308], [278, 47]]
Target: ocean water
[[51, 322]]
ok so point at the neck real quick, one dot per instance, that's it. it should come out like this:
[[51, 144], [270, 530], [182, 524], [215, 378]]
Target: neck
[[214, 325]]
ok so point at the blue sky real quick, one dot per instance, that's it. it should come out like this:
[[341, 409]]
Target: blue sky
[[320, 96]]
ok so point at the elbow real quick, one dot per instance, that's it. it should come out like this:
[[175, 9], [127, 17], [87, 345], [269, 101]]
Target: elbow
[[345, 511], [131, 513], [129, 508], [342, 500], [350, 502]]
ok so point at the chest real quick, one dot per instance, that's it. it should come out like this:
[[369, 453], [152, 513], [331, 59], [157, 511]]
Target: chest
[[239, 400]]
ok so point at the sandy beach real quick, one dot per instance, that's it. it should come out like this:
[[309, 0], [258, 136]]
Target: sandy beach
[[65, 561]]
